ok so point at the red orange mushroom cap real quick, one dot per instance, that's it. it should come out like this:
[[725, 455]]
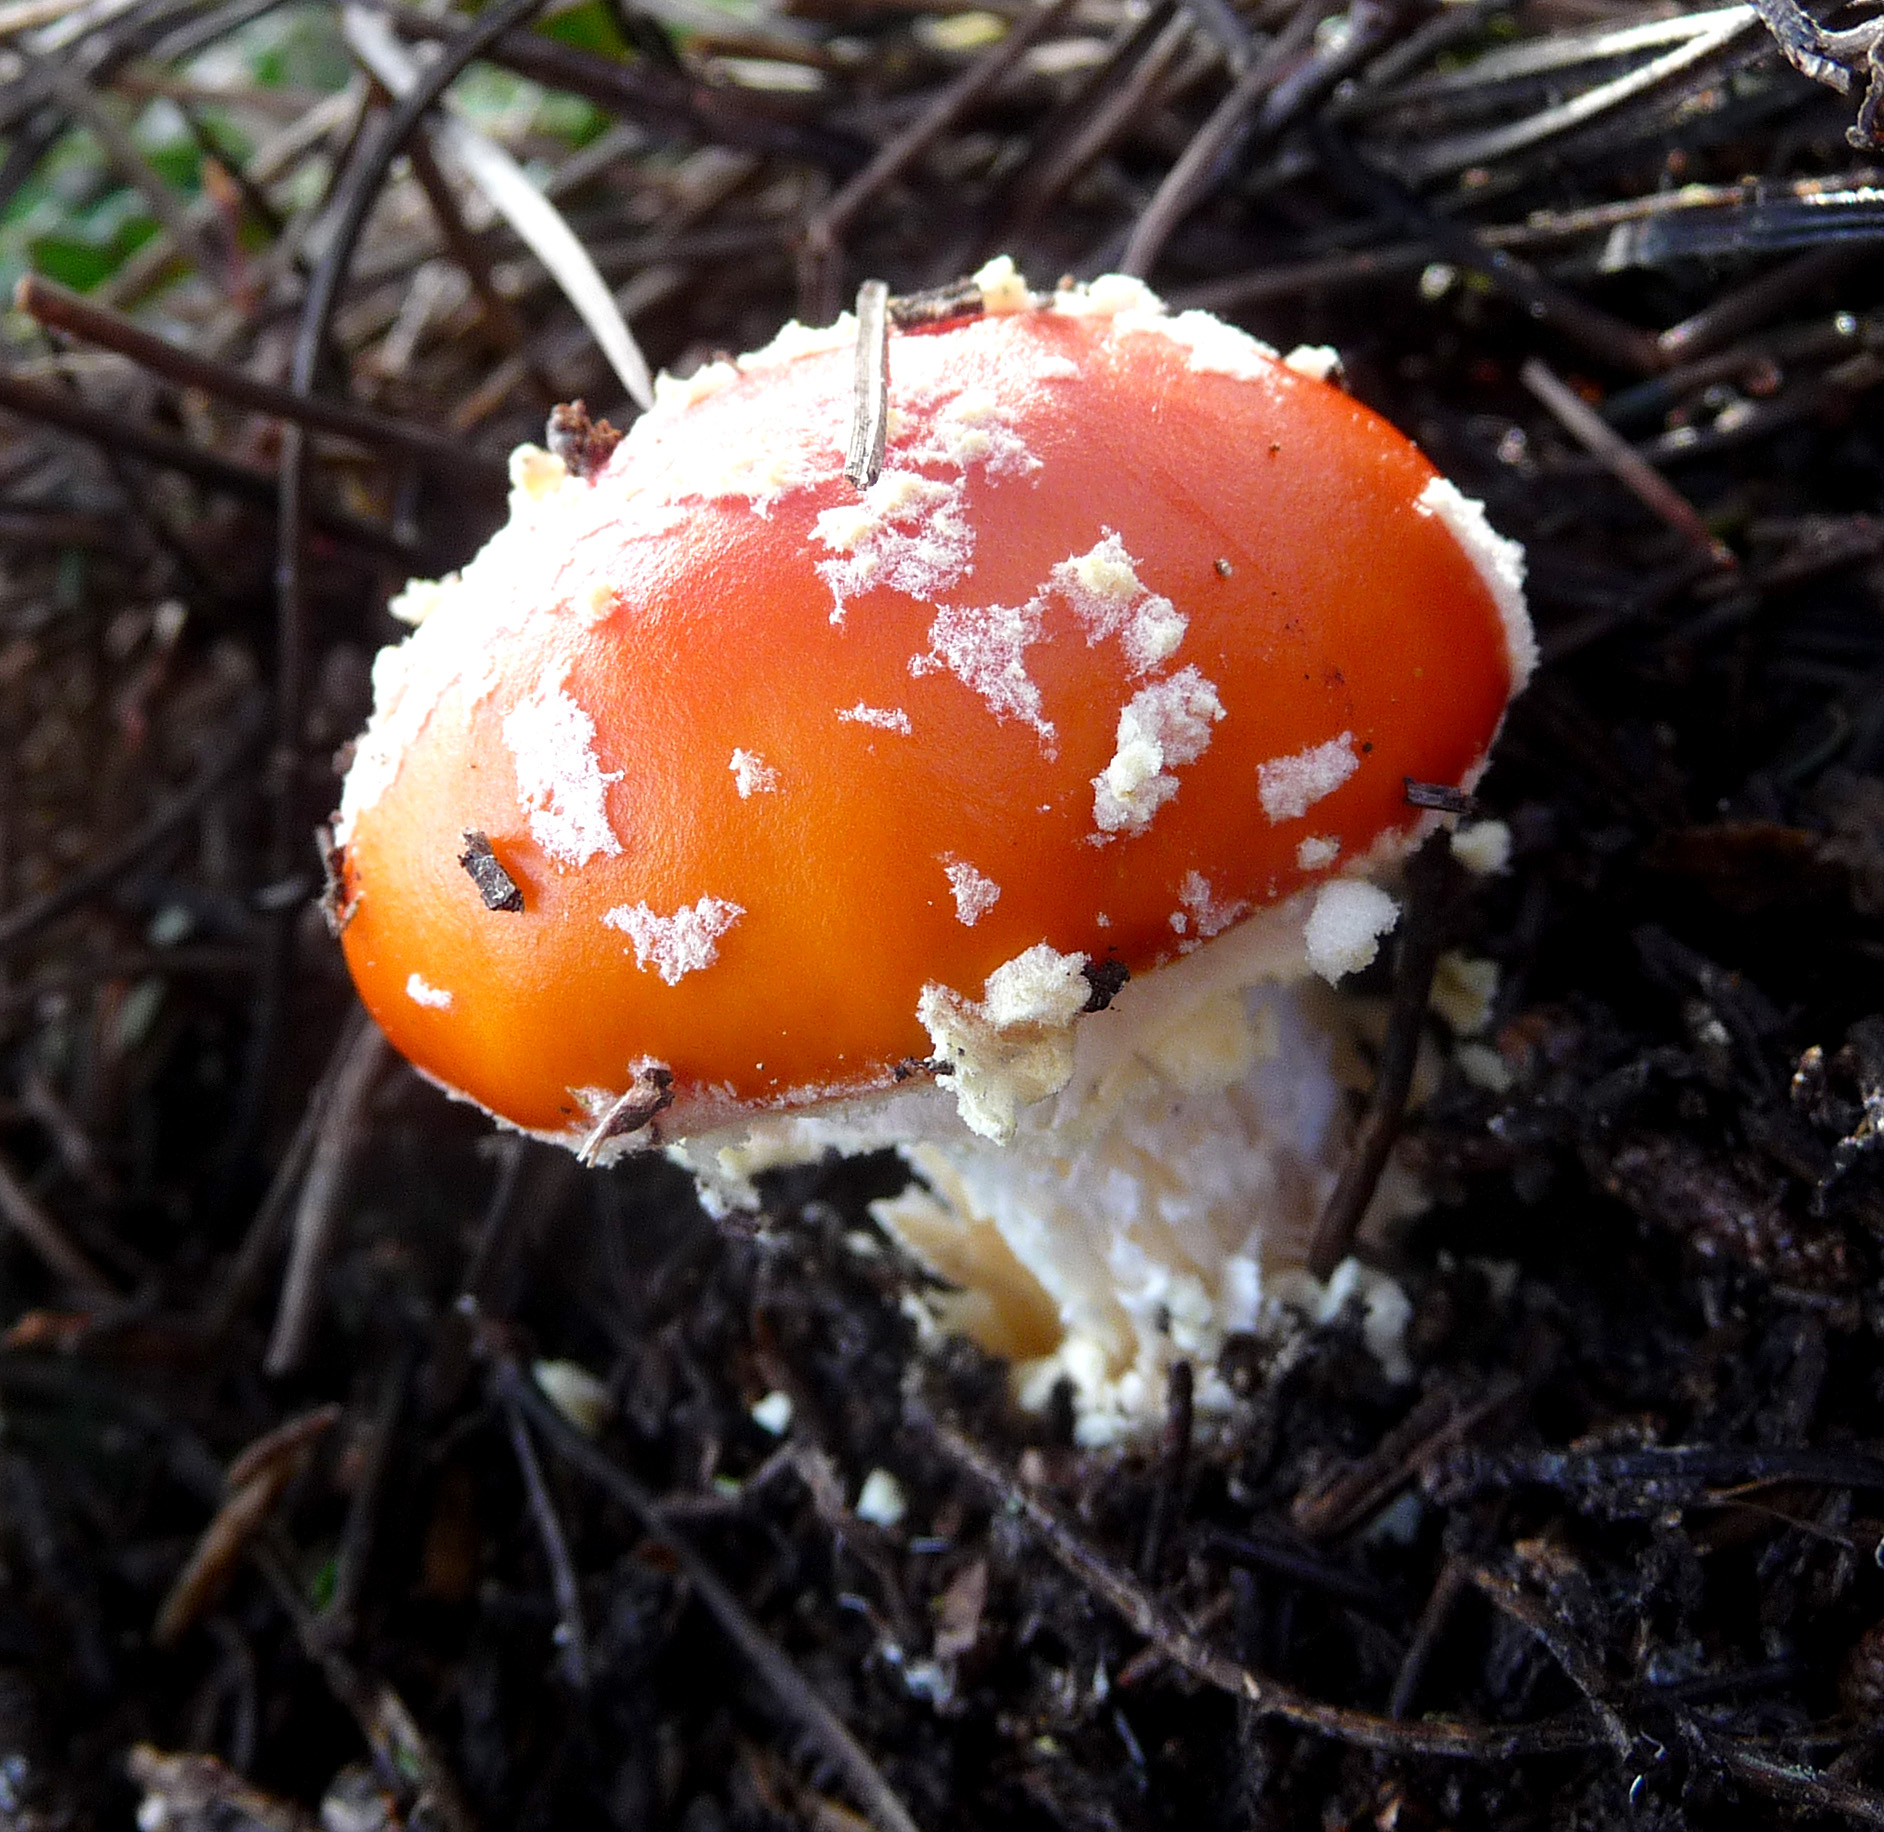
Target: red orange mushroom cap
[[717, 778]]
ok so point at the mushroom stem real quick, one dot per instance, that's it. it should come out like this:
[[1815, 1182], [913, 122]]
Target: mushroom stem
[[1156, 1203]]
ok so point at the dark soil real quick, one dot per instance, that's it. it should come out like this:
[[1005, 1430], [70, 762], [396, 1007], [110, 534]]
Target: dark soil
[[1614, 1559]]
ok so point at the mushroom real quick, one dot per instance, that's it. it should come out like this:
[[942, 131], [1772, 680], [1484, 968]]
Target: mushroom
[[1004, 810]]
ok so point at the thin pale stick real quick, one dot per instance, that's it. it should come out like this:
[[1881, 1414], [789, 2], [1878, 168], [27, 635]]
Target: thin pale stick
[[316, 1221], [51, 304], [1438, 157], [536, 220], [22, 923], [787, 1685], [572, 1637], [1430, 874], [1187, 179], [1178, 1640], [23, 1213], [133, 439], [1622, 460], [870, 394]]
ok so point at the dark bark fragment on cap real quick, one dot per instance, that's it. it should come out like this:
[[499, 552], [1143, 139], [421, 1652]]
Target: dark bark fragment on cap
[[938, 305], [1441, 797], [584, 445], [495, 885], [1107, 979]]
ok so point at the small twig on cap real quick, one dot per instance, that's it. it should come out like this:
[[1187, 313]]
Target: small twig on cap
[[1440, 797], [495, 885], [938, 305], [1430, 876], [1107, 978], [870, 398], [647, 1096]]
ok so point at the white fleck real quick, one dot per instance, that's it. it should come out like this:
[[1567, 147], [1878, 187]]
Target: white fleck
[[752, 776], [773, 1414], [1110, 599], [1107, 297], [420, 598], [1464, 989], [1483, 1067], [534, 474], [433, 998], [1290, 786], [1039, 986], [576, 1393], [1316, 361], [1344, 928], [1318, 850], [907, 532], [890, 719], [973, 428], [1483, 848], [679, 944], [1500, 564], [880, 1501], [1213, 914], [1015, 1046], [560, 784], [676, 393], [1163, 727], [795, 340], [1208, 343], [928, 1680], [984, 647], [975, 895], [1003, 289]]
